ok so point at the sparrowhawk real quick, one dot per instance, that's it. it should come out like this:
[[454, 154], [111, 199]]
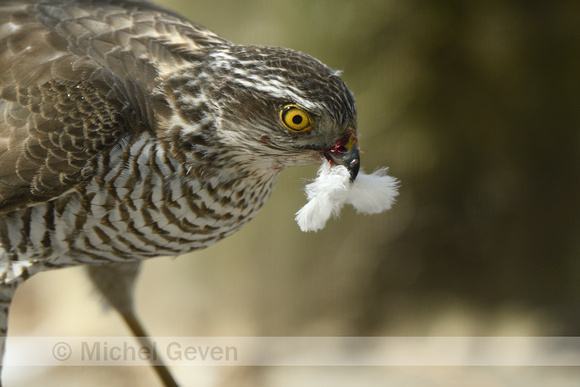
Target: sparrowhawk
[[128, 132]]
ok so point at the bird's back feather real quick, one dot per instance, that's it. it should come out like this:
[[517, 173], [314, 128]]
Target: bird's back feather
[[76, 78]]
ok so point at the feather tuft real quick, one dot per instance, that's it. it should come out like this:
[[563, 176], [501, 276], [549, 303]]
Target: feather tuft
[[368, 194]]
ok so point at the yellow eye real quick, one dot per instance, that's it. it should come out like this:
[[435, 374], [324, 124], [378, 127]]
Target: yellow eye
[[295, 118]]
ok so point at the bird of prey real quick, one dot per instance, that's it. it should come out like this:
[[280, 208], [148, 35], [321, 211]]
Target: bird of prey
[[128, 132]]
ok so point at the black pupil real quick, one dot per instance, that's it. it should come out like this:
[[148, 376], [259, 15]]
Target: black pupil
[[297, 119]]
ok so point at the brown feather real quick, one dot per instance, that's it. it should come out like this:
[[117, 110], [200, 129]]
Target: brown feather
[[75, 81]]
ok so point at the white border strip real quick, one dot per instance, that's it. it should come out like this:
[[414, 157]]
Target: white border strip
[[295, 351]]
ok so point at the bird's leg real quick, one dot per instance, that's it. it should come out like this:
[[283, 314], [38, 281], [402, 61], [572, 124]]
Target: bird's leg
[[116, 282], [6, 294]]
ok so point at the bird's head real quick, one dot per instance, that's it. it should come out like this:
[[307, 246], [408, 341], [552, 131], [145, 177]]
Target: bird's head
[[272, 108]]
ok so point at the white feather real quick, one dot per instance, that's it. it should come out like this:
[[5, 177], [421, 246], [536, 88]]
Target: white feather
[[369, 194], [374, 193]]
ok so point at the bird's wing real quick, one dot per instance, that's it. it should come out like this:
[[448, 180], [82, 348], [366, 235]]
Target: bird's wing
[[75, 79]]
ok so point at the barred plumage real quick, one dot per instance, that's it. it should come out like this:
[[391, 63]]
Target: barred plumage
[[128, 133]]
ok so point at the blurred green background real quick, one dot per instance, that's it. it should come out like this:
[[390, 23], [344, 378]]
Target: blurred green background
[[474, 106]]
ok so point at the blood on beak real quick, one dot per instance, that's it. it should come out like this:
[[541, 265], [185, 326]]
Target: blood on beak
[[346, 153]]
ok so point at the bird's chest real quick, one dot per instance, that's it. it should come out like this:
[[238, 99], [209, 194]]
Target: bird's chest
[[140, 206], [160, 215]]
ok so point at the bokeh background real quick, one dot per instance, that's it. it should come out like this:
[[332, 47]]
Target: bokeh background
[[475, 107]]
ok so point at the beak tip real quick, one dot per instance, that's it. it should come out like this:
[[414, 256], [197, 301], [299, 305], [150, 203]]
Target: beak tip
[[350, 160], [353, 168], [346, 153]]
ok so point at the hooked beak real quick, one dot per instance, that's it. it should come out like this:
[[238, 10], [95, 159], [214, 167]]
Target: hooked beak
[[346, 153]]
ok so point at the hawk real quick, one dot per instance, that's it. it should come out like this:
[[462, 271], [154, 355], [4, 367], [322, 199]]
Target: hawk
[[128, 132]]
